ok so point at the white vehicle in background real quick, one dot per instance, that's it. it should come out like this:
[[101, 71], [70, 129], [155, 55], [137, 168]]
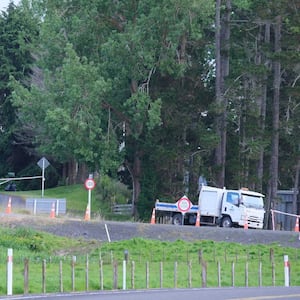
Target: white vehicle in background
[[229, 208], [226, 208]]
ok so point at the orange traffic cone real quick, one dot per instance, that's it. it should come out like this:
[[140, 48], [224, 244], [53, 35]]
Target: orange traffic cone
[[87, 215], [52, 213], [198, 219], [8, 208], [246, 222], [153, 217], [297, 225]]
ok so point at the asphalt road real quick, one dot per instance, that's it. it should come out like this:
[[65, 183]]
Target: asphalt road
[[262, 293]]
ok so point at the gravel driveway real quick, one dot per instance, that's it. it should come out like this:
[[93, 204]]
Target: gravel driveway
[[115, 231]]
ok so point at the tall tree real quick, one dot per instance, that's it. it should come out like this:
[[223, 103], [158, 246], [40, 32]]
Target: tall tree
[[273, 183], [18, 34], [67, 114], [155, 41], [135, 43], [222, 37]]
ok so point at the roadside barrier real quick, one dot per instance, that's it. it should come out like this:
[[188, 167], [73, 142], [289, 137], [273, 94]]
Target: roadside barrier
[[122, 209], [274, 212]]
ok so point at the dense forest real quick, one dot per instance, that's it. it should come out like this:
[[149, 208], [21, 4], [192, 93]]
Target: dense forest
[[157, 94]]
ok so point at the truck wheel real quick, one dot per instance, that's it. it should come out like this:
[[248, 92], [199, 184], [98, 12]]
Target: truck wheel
[[177, 219], [226, 222]]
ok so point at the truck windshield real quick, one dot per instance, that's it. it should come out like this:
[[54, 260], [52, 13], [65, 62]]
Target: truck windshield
[[253, 201]]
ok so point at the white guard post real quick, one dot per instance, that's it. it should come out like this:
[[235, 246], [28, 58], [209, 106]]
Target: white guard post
[[124, 268], [9, 271], [286, 271]]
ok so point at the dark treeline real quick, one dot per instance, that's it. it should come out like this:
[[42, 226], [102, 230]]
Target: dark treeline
[[155, 93]]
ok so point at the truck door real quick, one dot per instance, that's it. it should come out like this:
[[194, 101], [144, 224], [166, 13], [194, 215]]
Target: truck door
[[231, 205]]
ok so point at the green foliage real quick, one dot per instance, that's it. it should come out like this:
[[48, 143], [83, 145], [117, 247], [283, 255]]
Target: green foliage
[[90, 67], [51, 177], [69, 125], [109, 192], [142, 110], [18, 33]]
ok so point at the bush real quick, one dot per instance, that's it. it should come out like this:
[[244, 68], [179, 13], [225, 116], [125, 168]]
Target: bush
[[110, 191]]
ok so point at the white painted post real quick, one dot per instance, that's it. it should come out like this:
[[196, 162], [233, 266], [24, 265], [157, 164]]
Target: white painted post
[[34, 207], [124, 274], [124, 268], [9, 271], [286, 270], [107, 233], [57, 207]]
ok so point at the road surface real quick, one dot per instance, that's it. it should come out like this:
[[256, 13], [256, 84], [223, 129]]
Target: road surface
[[262, 293]]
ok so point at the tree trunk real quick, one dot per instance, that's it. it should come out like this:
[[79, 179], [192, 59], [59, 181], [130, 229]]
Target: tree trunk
[[74, 173], [262, 101], [135, 173], [71, 172], [273, 182], [296, 184], [135, 170], [136, 181], [222, 37]]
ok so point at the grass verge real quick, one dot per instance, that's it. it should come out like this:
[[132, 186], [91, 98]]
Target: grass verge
[[151, 264]]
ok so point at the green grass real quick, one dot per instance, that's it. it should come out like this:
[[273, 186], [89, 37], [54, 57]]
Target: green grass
[[77, 199], [76, 196], [155, 258]]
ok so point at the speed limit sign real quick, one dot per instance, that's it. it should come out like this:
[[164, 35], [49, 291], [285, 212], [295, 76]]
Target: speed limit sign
[[89, 184], [184, 204]]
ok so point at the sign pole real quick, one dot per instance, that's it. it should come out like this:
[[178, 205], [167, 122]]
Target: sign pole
[[43, 177], [89, 185], [43, 163], [89, 202]]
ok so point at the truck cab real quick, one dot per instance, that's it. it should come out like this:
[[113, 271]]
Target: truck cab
[[229, 208]]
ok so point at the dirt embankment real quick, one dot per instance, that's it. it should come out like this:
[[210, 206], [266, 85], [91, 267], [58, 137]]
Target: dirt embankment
[[104, 231]]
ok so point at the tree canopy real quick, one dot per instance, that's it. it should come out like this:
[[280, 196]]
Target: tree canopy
[[158, 93]]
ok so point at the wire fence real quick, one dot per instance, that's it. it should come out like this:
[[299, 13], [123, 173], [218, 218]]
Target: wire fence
[[108, 271]]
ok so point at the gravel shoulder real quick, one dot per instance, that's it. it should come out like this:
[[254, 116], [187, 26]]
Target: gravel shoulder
[[104, 231]]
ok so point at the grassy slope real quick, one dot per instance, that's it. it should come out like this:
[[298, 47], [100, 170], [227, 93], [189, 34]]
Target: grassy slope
[[36, 245], [76, 196], [77, 199]]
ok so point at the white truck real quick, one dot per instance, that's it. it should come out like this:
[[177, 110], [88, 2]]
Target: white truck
[[222, 207]]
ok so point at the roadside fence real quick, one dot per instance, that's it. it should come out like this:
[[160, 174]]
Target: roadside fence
[[122, 209], [105, 272]]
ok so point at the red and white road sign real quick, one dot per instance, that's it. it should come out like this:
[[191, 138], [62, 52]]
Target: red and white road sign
[[184, 204], [89, 184]]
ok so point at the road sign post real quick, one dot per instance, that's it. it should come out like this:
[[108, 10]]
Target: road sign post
[[89, 185], [183, 204], [43, 163]]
